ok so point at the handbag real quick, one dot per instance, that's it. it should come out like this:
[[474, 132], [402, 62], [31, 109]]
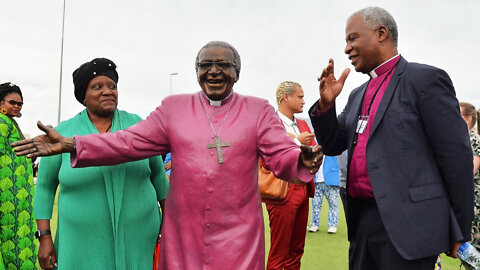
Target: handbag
[[270, 187], [156, 254]]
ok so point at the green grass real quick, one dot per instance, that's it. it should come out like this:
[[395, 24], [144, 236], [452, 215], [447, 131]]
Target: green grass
[[325, 251]]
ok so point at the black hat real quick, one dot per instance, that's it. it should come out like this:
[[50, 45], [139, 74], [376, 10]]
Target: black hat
[[86, 72]]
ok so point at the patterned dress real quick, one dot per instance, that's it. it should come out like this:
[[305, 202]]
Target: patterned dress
[[17, 243], [475, 140]]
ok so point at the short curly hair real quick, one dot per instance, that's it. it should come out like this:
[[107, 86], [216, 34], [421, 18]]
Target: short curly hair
[[285, 87], [375, 17]]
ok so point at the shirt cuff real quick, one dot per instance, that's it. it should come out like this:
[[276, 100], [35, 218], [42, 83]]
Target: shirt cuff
[[297, 141], [320, 112]]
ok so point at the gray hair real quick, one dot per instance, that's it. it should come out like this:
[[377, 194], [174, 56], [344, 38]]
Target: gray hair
[[375, 17], [236, 56], [285, 87]]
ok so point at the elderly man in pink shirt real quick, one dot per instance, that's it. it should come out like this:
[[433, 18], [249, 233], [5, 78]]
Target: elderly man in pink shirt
[[213, 217]]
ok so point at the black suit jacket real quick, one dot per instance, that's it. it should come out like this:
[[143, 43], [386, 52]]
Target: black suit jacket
[[419, 159]]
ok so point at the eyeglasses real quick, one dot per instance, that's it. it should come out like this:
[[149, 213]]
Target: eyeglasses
[[220, 65], [13, 103]]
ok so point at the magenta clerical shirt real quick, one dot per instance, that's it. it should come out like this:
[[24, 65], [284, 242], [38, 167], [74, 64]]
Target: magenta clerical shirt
[[358, 179], [213, 218]]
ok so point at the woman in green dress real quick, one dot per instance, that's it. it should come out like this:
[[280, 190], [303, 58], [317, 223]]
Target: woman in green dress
[[17, 247], [108, 217]]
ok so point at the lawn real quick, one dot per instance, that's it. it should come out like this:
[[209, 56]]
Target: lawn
[[323, 251]]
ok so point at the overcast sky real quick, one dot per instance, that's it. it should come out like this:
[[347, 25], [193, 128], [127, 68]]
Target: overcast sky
[[277, 41]]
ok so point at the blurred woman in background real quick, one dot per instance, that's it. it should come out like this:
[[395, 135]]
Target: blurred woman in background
[[471, 116], [17, 245]]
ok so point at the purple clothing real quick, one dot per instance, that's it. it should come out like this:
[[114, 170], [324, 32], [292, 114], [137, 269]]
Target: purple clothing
[[359, 181], [213, 217]]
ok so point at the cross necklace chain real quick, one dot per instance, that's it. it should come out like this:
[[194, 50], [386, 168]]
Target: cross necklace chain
[[218, 143]]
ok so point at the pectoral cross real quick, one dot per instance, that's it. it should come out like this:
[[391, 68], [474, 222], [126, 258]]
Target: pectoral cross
[[218, 144]]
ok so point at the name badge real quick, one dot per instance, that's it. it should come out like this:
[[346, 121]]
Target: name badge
[[361, 124]]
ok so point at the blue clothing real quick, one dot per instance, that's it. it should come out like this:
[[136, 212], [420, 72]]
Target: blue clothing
[[168, 158], [331, 194], [331, 171], [327, 186]]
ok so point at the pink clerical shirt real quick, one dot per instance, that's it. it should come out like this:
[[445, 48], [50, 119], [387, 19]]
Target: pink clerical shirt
[[358, 179], [213, 218]]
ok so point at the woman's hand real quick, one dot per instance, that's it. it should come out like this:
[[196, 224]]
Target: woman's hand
[[51, 143], [46, 253]]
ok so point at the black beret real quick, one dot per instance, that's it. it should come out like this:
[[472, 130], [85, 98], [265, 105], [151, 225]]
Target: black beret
[[86, 72]]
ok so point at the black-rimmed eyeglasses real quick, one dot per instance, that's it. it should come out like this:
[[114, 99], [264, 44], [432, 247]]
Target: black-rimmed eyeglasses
[[220, 65]]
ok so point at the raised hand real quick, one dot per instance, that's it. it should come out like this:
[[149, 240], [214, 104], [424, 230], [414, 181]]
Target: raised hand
[[330, 87], [311, 157], [51, 143]]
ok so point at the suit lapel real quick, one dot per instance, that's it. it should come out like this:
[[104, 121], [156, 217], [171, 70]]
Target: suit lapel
[[354, 112], [387, 96]]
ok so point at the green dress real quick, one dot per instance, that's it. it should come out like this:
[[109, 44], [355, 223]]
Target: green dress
[[108, 217], [17, 243]]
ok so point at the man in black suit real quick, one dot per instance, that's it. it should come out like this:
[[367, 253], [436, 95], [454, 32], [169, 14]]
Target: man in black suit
[[410, 182]]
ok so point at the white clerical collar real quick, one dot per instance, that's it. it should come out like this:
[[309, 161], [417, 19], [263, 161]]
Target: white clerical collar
[[286, 120], [218, 103], [374, 74]]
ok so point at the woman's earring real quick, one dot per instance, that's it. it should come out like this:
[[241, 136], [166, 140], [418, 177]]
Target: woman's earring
[[3, 110]]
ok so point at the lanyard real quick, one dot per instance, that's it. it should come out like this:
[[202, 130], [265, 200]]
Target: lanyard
[[376, 91], [363, 119]]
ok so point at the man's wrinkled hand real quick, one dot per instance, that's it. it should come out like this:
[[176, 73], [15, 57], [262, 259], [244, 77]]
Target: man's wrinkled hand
[[311, 157], [330, 87], [48, 144]]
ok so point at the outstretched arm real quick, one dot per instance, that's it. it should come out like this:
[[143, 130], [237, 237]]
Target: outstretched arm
[[49, 144]]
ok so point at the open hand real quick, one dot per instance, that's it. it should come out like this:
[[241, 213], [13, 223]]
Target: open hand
[[330, 87], [311, 157], [51, 143]]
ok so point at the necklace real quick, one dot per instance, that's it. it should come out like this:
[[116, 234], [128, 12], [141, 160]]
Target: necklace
[[218, 143], [109, 127], [106, 130]]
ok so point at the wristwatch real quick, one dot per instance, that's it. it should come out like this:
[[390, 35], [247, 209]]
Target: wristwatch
[[39, 233]]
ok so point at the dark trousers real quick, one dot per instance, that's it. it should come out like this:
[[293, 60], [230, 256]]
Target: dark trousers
[[370, 246], [288, 228], [343, 196]]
